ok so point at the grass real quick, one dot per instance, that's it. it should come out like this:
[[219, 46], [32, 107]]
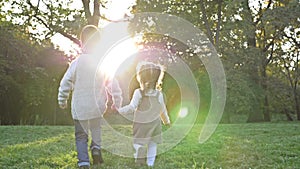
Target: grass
[[245, 146]]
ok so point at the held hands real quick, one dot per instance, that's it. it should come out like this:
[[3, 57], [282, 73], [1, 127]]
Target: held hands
[[110, 110], [63, 104], [114, 108], [168, 125]]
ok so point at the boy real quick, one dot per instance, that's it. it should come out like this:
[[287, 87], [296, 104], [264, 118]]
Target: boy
[[89, 89]]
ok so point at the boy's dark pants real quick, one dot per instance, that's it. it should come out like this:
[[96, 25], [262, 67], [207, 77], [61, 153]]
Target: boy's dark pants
[[81, 135]]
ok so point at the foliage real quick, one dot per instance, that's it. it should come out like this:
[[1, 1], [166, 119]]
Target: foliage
[[257, 41], [30, 76], [249, 37], [43, 18], [15, 51]]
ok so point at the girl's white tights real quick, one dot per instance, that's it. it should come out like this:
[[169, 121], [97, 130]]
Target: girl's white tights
[[151, 152]]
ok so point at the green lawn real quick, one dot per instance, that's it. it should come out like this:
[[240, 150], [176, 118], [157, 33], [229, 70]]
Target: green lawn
[[259, 145]]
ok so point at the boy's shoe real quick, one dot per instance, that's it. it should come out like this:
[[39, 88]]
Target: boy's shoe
[[97, 157], [141, 156], [84, 167]]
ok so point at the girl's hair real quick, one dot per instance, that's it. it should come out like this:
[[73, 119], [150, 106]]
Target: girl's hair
[[150, 75]]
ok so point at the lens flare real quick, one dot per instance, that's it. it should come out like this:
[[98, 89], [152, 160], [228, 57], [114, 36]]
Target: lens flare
[[183, 112], [119, 55]]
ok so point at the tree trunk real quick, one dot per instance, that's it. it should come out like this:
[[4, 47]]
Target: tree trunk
[[226, 118], [296, 104], [92, 19], [264, 84], [288, 115], [293, 83], [296, 84], [256, 114], [267, 114]]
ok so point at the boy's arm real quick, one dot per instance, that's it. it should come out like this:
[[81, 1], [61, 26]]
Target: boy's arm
[[115, 91], [66, 85], [130, 108], [164, 114]]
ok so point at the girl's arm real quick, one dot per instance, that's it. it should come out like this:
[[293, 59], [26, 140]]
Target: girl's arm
[[164, 114], [66, 85], [130, 108]]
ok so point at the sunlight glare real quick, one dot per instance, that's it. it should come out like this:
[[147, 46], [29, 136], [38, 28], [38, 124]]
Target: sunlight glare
[[117, 9], [64, 44], [114, 10], [117, 55]]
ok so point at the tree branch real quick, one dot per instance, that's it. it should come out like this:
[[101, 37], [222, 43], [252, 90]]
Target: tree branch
[[219, 23], [259, 13], [125, 19], [268, 60], [293, 39], [209, 33], [69, 36], [50, 27], [288, 73], [269, 4], [297, 75]]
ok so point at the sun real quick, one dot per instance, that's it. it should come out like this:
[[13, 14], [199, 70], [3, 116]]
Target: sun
[[114, 10], [117, 55]]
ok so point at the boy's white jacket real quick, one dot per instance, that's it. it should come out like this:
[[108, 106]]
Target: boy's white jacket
[[88, 87]]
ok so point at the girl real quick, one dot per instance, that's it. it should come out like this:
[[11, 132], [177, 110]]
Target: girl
[[149, 109]]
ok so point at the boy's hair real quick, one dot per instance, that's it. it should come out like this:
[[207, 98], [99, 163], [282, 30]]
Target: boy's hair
[[150, 75], [89, 34]]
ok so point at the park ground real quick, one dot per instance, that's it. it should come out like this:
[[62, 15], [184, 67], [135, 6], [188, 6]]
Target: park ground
[[244, 146]]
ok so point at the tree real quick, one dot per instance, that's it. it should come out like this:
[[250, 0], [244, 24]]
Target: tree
[[29, 76], [254, 39], [288, 61], [44, 18], [92, 18], [286, 46], [292, 73], [15, 53], [220, 27], [244, 35], [26, 29]]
